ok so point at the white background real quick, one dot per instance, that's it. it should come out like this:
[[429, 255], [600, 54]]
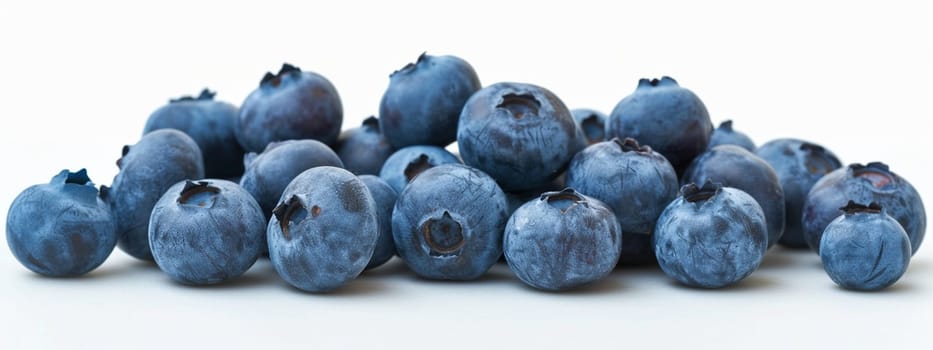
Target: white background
[[78, 80]]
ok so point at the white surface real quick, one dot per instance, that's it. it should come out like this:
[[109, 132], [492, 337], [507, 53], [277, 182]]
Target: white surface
[[78, 80]]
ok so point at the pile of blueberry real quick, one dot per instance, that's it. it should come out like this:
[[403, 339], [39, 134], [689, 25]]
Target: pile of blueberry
[[564, 196]]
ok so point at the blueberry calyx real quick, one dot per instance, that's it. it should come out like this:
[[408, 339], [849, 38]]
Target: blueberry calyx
[[371, 123], [417, 166], [631, 145], [205, 95], [564, 199], [855, 208], [410, 65], [726, 125], [443, 235], [276, 79], [520, 105], [819, 162], [693, 193], [877, 173], [664, 81], [76, 178], [290, 213], [77, 183], [198, 194], [123, 153]]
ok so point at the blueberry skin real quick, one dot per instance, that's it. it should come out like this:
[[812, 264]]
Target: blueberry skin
[[733, 166], [268, 173], [710, 237], [363, 150], [159, 160], [864, 249], [448, 223], [874, 182], [520, 134], [62, 228], [290, 105], [406, 163], [422, 104], [726, 135], [211, 124], [562, 240], [663, 115], [633, 180], [799, 164], [385, 198], [324, 230], [206, 231], [592, 123]]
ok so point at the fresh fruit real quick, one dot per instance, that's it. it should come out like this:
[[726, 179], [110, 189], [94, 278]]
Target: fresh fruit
[[592, 123], [159, 160], [62, 228], [711, 237], [422, 104], [363, 150], [268, 173], [520, 134], [733, 166], [290, 105], [633, 180], [799, 165], [874, 182], [864, 248], [403, 165], [448, 223], [384, 197], [726, 135], [206, 231], [211, 124], [324, 230], [562, 240], [663, 115]]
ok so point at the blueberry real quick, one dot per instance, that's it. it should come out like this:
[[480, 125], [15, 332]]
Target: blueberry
[[864, 248], [448, 223], [385, 197], [268, 173], [733, 166], [726, 135], [710, 237], [324, 230], [635, 181], [520, 134], [406, 163], [874, 182], [798, 164], [211, 124], [363, 150], [206, 232], [290, 105], [669, 118], [562, 240], [592, 123], [62, 228], [159, 160], [422, 104]]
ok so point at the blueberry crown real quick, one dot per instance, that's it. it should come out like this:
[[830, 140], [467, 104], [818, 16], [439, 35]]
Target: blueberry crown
[[854, 208], [276, 79], [631, 145], [371, 122], [877, 166], [693, 193], [289, 212], [77, 183], [564, 199], [664, 81], [726, 125], [411, 65], [205, 95]]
